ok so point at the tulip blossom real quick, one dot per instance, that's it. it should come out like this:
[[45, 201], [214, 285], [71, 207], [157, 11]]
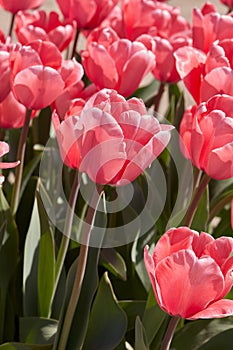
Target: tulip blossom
[[30, 26], [154, 18], [39, 74], [209, 25], [206, 75], [109, 138], [14, 6], [191, 274], [4, 148], [12, 113], [112, 62], [207, 132], [87, 14], [228, 3]]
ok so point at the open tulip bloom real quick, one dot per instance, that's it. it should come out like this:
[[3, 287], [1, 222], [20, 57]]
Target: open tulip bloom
[[116, 191], [192, 273]]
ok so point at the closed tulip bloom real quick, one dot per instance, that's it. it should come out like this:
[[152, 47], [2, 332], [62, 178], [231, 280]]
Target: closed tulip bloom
[[191, 274], [87, 14], [39, 75], [14, 6], [112, 62], [4, 148], [30, 26], [207, 132], [109, 138]]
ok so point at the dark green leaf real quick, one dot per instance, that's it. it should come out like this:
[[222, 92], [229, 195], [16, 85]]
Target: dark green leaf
[[20, 346], [114, 262], [200, 219], [108, 322], [35, 330], [140, 337]]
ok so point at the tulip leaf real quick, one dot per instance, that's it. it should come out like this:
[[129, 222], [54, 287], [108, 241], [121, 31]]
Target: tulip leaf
[[114, 262], [28, 171], [140, 336], [200, 219], [222, 340], [147, 92], [152, 321], [21, 346], [8, 243], [108, 322], [46, 263], [133, 308], [35, 330], [201, 331]]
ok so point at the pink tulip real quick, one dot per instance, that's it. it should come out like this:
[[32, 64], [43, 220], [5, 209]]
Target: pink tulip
[[14, 6], [228, 3], [12, 113], [109, 138], [209, 25], [30, 26], [191, 274], [87, 14], [112, 62], [4, 148], [207, 132], [154, 18], [39, 75]]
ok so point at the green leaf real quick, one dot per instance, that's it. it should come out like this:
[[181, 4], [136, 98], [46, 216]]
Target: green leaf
[[200, 332], [152, 321], [8, 243], [46, 263], [147, 92], [200, 219], [114, 262], [220, 341], [108, 322], [132, 308], [30, 265], [20, 346], [140, 337], [28, 171], [35, 330]]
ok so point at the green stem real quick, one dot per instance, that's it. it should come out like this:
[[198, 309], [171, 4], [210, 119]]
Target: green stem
[[169, 333], [219, 206], [67, 231], [20, 156], [11, 25], [82, 260], [75, 43], [196, 199]]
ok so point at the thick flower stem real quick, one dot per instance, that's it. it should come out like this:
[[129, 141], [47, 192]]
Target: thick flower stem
[[20, 156], [196, 199], [67, 231], [75, 43], [81, 267], [11, 25], [169, 333]]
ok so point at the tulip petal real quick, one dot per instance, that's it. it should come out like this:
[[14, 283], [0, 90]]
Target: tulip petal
[[218, 309], [220, 162], [188, 284]]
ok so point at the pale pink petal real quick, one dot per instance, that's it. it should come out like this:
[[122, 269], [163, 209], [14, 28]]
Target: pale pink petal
[[4, 148], [172, 241], [38, 86], [188, 284], [220, 250], [218, 81], [218, 309], [220, 163]]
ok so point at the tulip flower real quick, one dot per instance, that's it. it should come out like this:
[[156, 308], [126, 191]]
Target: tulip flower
[[30, 26], [112, 62], [4, 148], [87, 14], [228, 3], [209, 25], [207, 132], [12, 113], [15, 6], [39, 75], [154, 18], [109, 138], [191, 274]]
